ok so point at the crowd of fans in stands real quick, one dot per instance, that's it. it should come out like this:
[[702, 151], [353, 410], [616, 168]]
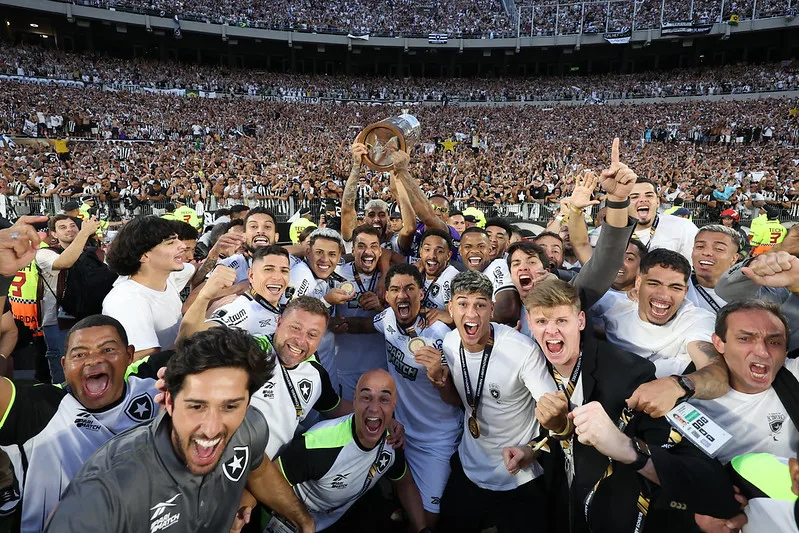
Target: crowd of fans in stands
[[469, 18], [119, 74]]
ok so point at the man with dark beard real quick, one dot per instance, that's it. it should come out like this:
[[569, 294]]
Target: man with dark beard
[[186, 469]]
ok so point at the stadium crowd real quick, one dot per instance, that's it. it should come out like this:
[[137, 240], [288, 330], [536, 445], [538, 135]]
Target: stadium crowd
[[483, 18], [407, 343], [120, 74]]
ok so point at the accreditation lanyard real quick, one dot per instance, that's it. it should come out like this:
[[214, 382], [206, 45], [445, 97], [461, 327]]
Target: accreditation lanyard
[[704, 294], [568, 389], [473, 396], [428, 300], [652, 231]]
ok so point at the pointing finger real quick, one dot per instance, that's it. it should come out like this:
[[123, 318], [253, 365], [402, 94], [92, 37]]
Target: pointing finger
[[614, 152]]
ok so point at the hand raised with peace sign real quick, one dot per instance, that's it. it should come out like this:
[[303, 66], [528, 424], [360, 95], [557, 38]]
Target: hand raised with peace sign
[[618, 180]]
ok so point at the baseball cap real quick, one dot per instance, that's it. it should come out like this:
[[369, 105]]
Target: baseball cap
[[70, 205], [169, 206], [682, 212], [731, 213], [771, 211], [394, 212]]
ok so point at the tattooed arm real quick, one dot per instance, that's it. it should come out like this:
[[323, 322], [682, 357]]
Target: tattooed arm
[[349, 216], [711, 380]]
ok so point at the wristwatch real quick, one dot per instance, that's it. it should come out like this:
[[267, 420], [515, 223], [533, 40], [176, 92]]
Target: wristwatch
[[688, 388], [642, 454]]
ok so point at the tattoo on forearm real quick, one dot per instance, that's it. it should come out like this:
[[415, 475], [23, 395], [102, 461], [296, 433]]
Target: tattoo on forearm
[[350, 189], [711, 381]]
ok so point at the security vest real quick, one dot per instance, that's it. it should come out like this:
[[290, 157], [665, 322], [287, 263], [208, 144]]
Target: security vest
[[24, 298], [766, 234]]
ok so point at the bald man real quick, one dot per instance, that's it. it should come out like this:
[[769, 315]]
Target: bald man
[[356, 445]]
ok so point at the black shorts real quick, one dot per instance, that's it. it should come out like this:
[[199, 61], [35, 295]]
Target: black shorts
[[467, 508]]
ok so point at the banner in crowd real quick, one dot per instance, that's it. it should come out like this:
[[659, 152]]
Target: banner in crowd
[[29, 129], [42, 81], [364, 37], [684, 28], [437, 38], [292, 99], [179, 92], [618, 37]]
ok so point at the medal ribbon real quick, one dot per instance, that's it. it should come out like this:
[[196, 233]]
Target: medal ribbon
[[568, 389], [292, 391], [261, 300], [473, 397], [357, 278]]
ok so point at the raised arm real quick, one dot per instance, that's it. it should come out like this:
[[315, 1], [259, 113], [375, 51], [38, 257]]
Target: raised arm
[[405, 236], [417, 198], [72, 252], [349, 217], [194, 320]]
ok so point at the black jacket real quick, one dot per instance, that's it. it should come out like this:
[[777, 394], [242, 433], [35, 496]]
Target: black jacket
[[689, 480]]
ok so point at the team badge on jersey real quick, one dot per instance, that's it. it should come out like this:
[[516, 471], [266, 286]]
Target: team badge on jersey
[[235, 467], [306, 389], [383, 461], [775, 422], [140, 408], [434, 290], [493, 388]]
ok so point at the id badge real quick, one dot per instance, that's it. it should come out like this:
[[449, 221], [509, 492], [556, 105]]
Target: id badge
[[278, 524], [698, 428]]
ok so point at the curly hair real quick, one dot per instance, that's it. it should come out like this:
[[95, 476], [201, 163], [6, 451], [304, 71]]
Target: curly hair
[[219, 348], [135, 239]]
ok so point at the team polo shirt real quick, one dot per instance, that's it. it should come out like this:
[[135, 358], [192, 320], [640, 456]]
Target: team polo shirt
[[136, 483], [759, 423], [499, 274], [247, 313], [329, 469], [314, 391], [437, 291], [355, 354], [419, 405], [515, 378], [667, 345], [303, 282], [48, 434]]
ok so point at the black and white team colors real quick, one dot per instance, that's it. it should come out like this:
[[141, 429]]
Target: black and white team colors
[[250, 312], [355, 354], [432, 427], [48, 434], [516, 377], [143, 486], [329, 469], [437, 293], [499, 274], [289, 395]]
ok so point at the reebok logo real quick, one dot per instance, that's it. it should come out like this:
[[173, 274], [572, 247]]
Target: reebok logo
[[162, 517], [340, 481]]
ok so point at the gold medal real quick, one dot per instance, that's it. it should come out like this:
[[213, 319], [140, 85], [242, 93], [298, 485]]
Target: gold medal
[[347, 287], [416, 343], [474, 427]]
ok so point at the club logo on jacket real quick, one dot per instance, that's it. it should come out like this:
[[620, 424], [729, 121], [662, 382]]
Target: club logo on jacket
[[235, 467], [775, 423], [306, 389]]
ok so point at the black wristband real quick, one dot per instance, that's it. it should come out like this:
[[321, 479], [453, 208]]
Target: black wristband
[[610, 204]]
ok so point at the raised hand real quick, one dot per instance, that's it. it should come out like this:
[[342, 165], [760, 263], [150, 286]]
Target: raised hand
[[618, 179], [583, 190]]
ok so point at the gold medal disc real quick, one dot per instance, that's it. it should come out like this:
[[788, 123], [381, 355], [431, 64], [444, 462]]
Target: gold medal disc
[[474, 427], [415, 343]]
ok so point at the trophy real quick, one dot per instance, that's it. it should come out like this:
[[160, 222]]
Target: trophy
[[385, 137]]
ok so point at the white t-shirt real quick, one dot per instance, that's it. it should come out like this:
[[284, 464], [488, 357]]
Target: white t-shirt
[[673, 233], [151, 318], [698, 300], [758, 423], [499, 274], [516, 377], [667, 345], [419, 405], [44, 260], [437, 291]]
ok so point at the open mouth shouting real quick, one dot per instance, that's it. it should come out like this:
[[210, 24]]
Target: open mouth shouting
[[474, 261], [705, 264], [554, 346], [643, 212], [525, 281], [404, 311], [373, 425], [368, 262], [659, 310], [431, 266], [472, 329], [760, 372], [205, 451], [96, 383]]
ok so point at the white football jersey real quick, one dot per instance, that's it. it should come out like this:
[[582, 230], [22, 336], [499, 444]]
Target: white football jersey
[[248, 314], [516, 377], [499, 274], [437, 292], [419, 405]]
